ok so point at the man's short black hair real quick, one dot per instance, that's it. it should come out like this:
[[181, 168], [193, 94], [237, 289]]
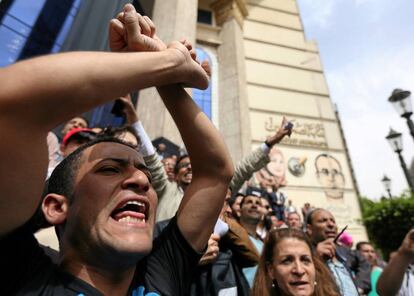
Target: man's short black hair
[[117, 131], [310, 214], [63, 176], [360, 244]]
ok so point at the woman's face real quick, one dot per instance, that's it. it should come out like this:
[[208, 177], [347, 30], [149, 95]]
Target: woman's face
[[292, 268]]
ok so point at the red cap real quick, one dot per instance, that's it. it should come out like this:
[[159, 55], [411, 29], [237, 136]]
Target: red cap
[[85, 133]]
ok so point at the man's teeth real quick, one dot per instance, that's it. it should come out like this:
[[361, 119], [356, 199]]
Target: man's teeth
[[129, 219], [134, 202]]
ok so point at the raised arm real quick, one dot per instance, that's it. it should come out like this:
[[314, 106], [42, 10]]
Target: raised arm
[[392, 276], [258, 158], [38, 94], [160, 181], [211, 166]]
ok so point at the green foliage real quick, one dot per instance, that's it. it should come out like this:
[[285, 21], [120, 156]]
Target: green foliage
[[388, 221]]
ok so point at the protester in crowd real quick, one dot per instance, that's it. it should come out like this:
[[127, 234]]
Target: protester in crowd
[[277, 202], [343, 263], [367, 250], [229, 250], [265, 224], [169, 165], [250, 215], [397, 278], [305, 210], [75, 138], [274, 222], [290, 208], [75, 122], [161, 151], [289, 266], [293, 220], [95, 189], [72, 140]]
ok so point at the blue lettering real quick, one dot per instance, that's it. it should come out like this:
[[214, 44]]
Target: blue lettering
[[141, 290]]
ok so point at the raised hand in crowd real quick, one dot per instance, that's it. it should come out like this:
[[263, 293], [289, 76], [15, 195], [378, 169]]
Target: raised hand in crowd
[[281, 132], [326, 249], [212, 250], [396, 277], [128, 109], [131, 31]]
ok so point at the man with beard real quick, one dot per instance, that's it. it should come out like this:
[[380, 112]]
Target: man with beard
[[342, 262]]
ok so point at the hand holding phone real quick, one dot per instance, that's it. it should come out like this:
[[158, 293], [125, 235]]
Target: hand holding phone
[[288, 125]]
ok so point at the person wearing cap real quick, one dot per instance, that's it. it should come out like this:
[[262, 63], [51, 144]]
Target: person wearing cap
[[75, 138], [250, 216], [350, 270]]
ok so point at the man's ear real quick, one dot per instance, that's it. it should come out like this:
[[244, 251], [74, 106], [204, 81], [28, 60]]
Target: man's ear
[[55, 207]]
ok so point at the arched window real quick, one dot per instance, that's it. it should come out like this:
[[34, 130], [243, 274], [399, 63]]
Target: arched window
[[207, 99]]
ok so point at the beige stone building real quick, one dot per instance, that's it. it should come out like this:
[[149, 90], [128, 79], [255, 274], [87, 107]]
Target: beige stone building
[[263, 69]]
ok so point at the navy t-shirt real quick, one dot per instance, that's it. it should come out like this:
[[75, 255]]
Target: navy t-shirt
[[27, 270]]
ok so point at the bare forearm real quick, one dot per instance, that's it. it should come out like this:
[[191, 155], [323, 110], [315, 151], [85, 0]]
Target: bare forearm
[[211, 165], [392, 276], [63, 85]]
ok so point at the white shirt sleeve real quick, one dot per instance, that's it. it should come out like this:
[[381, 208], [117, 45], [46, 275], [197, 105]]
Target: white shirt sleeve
[[146, 147]]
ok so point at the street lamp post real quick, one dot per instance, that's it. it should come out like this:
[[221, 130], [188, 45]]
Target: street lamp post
[[401, 100], [395, 140], [387, 185]]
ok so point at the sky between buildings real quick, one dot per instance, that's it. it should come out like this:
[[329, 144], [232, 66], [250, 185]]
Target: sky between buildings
[[367, 50]]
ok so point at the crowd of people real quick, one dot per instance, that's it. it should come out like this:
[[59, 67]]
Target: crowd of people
[[134, 220]]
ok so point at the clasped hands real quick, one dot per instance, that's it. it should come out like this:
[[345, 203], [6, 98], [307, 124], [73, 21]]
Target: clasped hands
[[132, 32]]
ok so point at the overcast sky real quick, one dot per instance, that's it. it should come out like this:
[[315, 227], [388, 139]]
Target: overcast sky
[[367, 50]]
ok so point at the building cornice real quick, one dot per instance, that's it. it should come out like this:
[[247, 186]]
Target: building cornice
[[226, 10]]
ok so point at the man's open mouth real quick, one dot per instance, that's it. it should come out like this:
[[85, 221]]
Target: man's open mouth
[[131, 211]]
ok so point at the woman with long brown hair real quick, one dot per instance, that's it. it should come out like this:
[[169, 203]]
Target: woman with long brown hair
[[289, 266]]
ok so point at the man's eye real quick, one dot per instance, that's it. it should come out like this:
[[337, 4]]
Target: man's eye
[[109, 169]]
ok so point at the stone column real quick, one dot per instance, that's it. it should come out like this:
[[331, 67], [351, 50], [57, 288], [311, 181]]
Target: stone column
[[174, 19], [233, 105]]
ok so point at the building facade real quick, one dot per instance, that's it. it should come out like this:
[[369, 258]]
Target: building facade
[[264, 69]]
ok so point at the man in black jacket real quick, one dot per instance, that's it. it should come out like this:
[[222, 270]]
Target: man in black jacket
[[342, 262]]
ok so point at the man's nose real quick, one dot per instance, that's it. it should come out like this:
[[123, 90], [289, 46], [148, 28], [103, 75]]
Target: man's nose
[[137, 181]]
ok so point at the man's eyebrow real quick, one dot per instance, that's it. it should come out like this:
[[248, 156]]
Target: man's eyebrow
[[125, 161]]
